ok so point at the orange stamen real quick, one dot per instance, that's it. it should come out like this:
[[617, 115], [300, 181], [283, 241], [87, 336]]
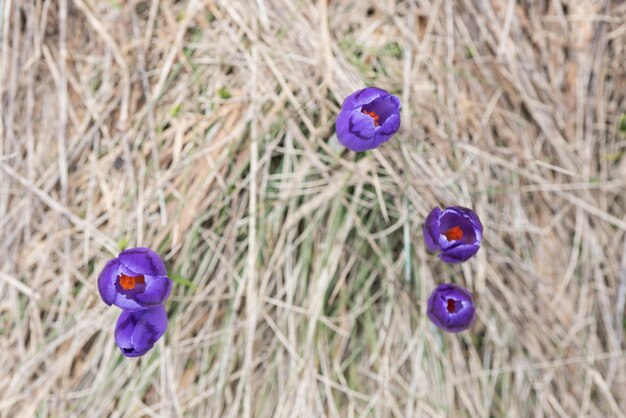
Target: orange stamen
[[129, 282], [451, 305], [372, 115], [453, 234]]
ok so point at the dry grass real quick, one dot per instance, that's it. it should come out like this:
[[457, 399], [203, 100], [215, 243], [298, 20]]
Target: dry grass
[[204, 129]]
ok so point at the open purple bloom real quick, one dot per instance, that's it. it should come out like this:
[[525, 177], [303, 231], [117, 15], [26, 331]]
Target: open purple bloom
[[136, 332], [135, 280], [451, 308], [367, 118], [455, 233]]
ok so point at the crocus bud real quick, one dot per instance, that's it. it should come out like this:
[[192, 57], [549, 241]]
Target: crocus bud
[[135, 280], [451, 308], [368, 118], [455, 233], [136, 332]]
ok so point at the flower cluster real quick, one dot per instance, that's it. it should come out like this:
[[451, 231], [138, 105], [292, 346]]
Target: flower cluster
[[370, 117], [455, 234], [136, 281]]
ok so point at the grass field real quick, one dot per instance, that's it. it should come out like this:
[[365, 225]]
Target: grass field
[[204, 129]]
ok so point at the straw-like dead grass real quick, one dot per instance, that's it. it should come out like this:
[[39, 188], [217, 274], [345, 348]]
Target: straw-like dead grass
[[204, 129]]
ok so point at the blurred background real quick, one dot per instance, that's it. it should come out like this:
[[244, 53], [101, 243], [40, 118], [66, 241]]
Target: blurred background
[[204, 129]]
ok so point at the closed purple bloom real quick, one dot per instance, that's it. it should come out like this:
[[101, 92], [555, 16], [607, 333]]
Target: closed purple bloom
[[367, 118], [451, 308], [136, 332], [135, 280], [455, 233]]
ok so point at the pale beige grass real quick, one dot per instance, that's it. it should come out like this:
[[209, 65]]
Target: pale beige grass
[[205, 130]]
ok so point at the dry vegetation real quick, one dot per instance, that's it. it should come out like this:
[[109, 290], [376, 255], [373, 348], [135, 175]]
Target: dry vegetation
[[205, 130]]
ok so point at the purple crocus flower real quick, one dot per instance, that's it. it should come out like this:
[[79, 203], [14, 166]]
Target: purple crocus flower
[[368, 118], [135, 280], [454, 232], [451, 308], [136, 332]]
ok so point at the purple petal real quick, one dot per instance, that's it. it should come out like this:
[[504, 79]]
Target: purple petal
[[431, 230], [143, 260], [157, 291], [106, 281], [470, 214], [387, 129], [363, 97], [136, 332], [384, 107], [362, 126], [459, 253], [124, 328], [444, 244], [127, 303], [478, 226], [437, 311], [150, 327], [463, 319], [342, 124], [355, 130]]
